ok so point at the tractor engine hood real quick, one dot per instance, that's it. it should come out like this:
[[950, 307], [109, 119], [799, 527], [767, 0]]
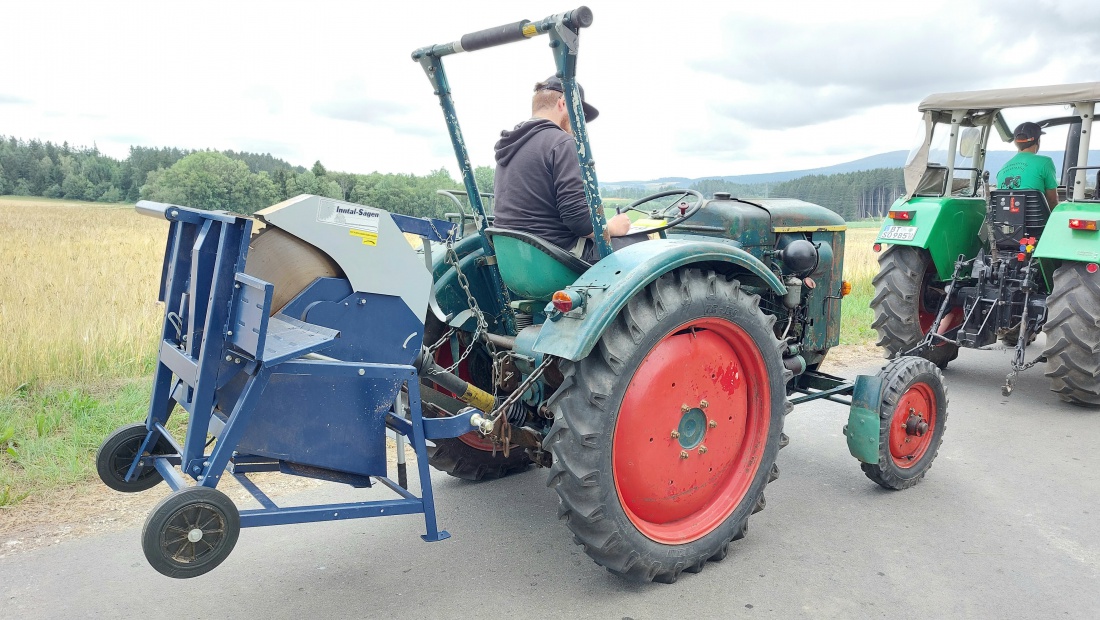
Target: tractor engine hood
[[755, 222]]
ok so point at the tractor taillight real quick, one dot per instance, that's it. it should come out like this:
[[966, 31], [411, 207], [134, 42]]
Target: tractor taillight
[[901, 215], [845, 288], [1092, 267], [877, 247], [1082, 224], [563, 301]]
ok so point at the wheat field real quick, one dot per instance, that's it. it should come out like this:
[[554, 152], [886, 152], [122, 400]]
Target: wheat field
[[78, 287], [860, 266]]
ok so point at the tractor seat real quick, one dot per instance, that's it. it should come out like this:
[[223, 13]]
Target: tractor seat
[[531, 266]]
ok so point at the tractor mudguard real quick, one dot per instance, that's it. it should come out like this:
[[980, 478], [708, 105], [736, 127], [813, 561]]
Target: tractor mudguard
[[1059, 241], [945, 226], [863, 428], [448, 292], [610, 284]]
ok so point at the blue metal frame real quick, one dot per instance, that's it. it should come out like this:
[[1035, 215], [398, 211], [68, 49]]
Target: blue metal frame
[[213, 312]]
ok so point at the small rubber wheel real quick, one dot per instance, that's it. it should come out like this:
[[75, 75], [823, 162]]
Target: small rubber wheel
[[912, 418], [190, 532], [117, 454]]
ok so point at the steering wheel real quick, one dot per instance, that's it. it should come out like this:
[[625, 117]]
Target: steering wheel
[[674, 213]]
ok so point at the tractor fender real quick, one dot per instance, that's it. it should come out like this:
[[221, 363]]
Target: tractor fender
[[1059, 241], [945, 226], [447, 291], [607, 287]]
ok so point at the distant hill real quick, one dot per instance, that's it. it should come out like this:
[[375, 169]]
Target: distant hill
[[892, 159]]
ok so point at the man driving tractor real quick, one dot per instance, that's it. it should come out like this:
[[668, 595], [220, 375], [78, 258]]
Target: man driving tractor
[[538, 187], [1027, 169]]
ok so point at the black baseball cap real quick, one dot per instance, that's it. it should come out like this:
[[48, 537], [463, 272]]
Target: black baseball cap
[[1028, 132], [554, 83]]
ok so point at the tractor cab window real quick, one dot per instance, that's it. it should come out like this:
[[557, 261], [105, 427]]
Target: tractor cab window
[[935, 148], [967, 173], [933, 182]]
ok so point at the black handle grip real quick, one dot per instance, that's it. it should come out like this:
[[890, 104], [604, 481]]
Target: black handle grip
[[580, 17], [493, 36]]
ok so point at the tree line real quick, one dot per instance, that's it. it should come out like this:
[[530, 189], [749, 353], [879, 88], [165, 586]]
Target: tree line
[[245, 182], [240, 182]]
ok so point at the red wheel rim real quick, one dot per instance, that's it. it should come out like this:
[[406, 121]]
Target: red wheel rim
[[929, 305], [909, 440], [710, 367], [444, 358]]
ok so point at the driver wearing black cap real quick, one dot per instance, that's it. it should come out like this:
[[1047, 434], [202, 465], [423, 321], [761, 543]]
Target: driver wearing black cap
[[1027, 169], [538, 187]]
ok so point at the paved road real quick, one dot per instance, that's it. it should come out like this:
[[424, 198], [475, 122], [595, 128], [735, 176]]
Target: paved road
[[1006, 525]]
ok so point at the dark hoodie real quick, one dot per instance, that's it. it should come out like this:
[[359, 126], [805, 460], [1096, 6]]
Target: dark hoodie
[[538, 184]]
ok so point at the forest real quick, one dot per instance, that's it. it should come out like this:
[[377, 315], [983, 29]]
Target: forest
[[245, 182]]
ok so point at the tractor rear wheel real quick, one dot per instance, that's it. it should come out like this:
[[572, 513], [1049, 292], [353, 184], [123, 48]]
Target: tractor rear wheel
[[1073, 335], [912, 418], [666, 434], [470, 456], [907, 298]]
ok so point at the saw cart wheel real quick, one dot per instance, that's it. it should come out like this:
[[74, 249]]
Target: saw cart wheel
[[1073, 335], [912, 417], [190, 532], [117, 454], [907, 298], [666, 434]]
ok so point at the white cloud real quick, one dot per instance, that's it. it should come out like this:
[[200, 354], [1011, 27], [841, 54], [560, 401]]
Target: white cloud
[[692, 90]]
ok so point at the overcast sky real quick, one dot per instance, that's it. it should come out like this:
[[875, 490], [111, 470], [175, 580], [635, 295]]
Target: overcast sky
[[684, 88]]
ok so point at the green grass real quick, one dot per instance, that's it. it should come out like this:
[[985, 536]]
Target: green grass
[[48, 437], [865, 224]]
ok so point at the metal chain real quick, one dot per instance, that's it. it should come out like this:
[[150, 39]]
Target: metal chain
[[438, 343], [482, 329], [502, 429], [501, 409]]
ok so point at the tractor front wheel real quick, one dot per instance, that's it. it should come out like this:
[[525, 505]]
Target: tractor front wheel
[[908, 294], [1073, 335], [666, 434], [912, 417]]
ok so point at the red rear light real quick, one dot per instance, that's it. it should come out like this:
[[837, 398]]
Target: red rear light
[[877, 247], [1083, 224], [563, 301], [1092, 267], [901, 215]]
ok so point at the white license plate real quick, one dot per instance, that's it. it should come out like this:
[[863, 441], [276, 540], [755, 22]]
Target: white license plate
[[898, 233]]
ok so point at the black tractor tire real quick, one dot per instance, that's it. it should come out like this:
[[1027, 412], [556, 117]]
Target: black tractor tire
[[600, 457], [470, 457], [899, 303], [1073, 335], [912, 388]]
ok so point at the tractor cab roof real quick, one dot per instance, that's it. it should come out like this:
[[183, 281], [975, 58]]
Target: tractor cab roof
[[1000, 98]]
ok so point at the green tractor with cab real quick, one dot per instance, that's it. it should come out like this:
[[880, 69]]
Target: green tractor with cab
[[969, 264], [654, 383]]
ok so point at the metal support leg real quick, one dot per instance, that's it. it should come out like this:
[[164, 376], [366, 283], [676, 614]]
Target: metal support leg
[[433, 533], [214, 466]]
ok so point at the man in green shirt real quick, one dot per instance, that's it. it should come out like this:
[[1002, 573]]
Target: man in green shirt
[[1027, 169]]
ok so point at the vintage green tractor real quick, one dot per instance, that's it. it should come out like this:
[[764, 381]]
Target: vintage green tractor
[[969, 264], [654, 383]]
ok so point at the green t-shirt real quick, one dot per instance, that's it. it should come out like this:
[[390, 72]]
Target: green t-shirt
[[1027, 171]]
